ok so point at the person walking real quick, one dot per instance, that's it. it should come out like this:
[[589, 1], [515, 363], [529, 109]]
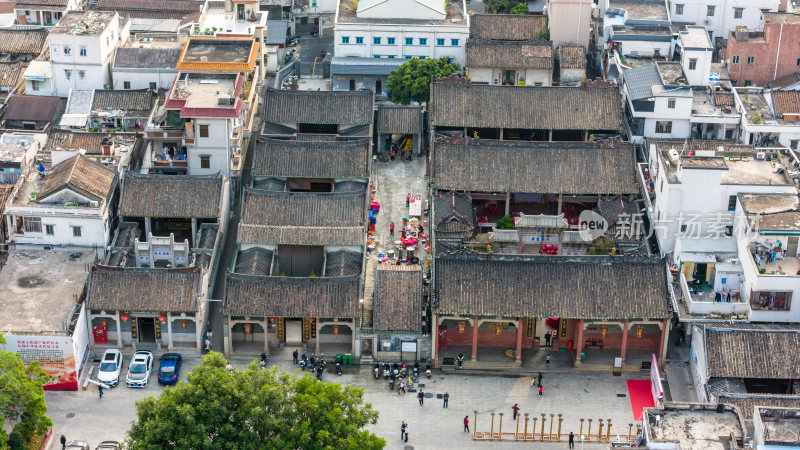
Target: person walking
[[446, 398], [540, 390], [571, 440], [533, 380], [548, 360], [408, 199], [421, 397], [466, 424], [547, 339], [100, 390], [515, 408], [402, 387], [63, 442], [294, 356], [402, 429], [391, 154], [540, 378], [391, 229]]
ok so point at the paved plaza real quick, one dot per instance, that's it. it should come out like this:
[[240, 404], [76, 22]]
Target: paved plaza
[[576, 395]]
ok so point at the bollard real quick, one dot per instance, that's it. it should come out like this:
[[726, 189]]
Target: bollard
[[608, 430], [526, 426], [559, 427], [580, 433], [543, 421], [550, 435], [589, 433], [516, 433], [500, 433], [475, 424], [491, 433], [600, 430], [533, 431]]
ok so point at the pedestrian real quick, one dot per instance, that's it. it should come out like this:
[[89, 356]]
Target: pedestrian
[[391, 229], [421, 397], [391, 154], [547, 339], [571, 440], [515, 408], [540, 378], [548, 359], [408, 199], [540, 390], [402, 387], [294, 356], [100, 390], [402, 430], [446, 398], [533, 380], [406, 437], [466, 424], [63, 442]]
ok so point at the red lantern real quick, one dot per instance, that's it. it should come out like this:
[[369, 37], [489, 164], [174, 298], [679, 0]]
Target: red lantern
[[162, 318], [124, 317]]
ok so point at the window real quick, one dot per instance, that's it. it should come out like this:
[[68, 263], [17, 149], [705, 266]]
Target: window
[[32, 224], [710, 9], [679, 8], [737, 13], [671, 103], [440, 42], [76, 231], [81, 74], [35, 85], [359, 39], [126, 84], [692, 63], [423, 41], [454, 42], [390, 41], [345, 39], [205, 162], [663, 127], [732, 203], [409, 41], [735, 60], [376, 56], [376, 41], [83, 51], [408, 57], [153, 86], [683, 228], [68, 74], [748, 82], [203, 131], [67, 50], [751, 59], [776, 301], [49, 230], [391, 56]]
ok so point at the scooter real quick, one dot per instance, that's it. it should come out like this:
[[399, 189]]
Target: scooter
[[410, 382], [404, 370], [263, 362], [387, 370], [395, 370], [416, 369], [303, 361], [460, 360], [428, 370], [376, 369], [338, 368], [391, 383], [319, 373]]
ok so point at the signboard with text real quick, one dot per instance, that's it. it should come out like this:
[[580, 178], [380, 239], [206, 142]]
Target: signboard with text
[[655, 383]]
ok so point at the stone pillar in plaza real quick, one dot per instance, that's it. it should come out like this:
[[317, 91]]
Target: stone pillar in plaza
[[519, 340], [624, 339], [475, 339], [579, 344]]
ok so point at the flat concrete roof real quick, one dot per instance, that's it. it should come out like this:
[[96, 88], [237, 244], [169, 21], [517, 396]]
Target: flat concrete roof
[[754, 171], [83, 23], [781, 17], [699, 429], [40, 287], [695, 37], [223, 50], [642, 9], [769, 203], [201, 90]]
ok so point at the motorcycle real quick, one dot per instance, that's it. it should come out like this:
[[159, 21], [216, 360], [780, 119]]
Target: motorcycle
[[460, 360], [428, 370], [395, 370], [319, 373], [404, 370], [410, 382], [391, 384], [303, 361], [376, 369], [387, 370], [338, 368], [314, 32], [263, 362]]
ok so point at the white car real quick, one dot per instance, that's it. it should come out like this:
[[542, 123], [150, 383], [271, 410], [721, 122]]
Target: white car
[[110, 367], [139, 370]]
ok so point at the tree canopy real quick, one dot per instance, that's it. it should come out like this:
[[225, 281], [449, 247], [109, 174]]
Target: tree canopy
[[253, 408], [412, 80], [21, 397], [520, 9]]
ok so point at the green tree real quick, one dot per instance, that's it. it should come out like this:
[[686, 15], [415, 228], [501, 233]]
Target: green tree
[[545, 34], [412, 80], [253, 408], [497, 6], [21, 396], [505, 223], [521, 9]]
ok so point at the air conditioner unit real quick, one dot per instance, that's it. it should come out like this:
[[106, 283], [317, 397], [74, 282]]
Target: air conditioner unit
[[707, 21], [761, 155]]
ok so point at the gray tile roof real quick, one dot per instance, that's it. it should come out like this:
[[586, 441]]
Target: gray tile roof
[[398, 298], [302, 218], [640, 81], [746, 403], [27, 40], [535, 167], [76, 140], [318, 107], [170, 196], [10, 74], [82, 175], [342, 263], [150, 290], [312, 159], [525, 107], [571, 56], [509, 54], [753, 352], [254, 261], [454, 217], [592, 287], [276, 32], [506, 27], [32, 108], [138, 103], [400, 119], [147, 58], [249, 295], [349, 65]]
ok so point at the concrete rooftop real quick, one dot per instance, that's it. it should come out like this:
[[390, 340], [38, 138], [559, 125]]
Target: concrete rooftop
[[201, 90], [769, 203], [40, 287], [455, 15], [223, 51], [86, 23], [695, 37], [699, 429], [642, 9], [752, 172]]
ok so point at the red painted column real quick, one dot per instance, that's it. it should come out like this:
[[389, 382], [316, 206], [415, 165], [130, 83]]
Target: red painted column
[[579, 344], [624, 339], [475, 339], [519, 339], [662, 346], [435, 339]]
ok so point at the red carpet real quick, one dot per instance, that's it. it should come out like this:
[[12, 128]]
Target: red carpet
[[641, 397]]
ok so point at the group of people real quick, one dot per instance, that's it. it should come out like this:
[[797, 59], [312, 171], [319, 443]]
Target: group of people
[[395, 149]]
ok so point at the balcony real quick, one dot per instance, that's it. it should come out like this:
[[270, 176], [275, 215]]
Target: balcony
[[701, 301]]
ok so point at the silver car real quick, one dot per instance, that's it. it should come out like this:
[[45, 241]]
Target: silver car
[[139, 369]]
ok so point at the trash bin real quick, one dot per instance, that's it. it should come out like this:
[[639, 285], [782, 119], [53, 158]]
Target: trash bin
[[583, 356], [349, 358], [339, 358], [569, 345]]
